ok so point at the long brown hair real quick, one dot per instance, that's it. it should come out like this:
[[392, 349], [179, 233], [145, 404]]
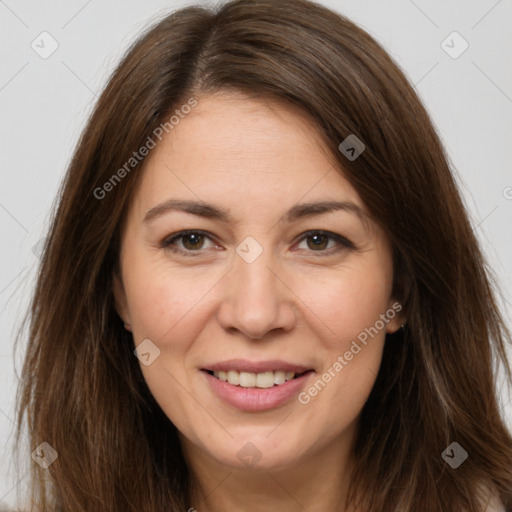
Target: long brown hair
[[81, 388]]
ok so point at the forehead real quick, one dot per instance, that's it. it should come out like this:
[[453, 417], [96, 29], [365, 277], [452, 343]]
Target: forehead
[[247, 152]]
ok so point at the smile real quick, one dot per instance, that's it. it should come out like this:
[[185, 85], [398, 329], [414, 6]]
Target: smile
[[255, 387], [255, 380]]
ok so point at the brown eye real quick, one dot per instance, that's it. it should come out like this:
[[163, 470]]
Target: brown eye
[[325, 242], [318, 241], [192, 241]]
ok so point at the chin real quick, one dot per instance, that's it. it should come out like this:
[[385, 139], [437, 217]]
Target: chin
[[258, 451]]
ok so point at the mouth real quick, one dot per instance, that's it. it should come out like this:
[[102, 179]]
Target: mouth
[[256, 386], [261, 380]]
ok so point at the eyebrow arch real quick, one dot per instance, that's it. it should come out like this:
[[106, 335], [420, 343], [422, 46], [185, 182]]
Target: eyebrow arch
[[296, 212], [198, 208], [309, 209]]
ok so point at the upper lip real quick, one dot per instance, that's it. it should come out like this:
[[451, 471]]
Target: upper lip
[[243, 365]]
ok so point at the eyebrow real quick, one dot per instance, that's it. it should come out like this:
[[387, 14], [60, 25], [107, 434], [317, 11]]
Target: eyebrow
[[295, 213]]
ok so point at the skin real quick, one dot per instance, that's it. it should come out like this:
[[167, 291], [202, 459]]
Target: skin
[[296, 301]]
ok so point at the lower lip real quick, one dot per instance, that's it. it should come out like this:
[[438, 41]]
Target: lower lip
[[256, 399]]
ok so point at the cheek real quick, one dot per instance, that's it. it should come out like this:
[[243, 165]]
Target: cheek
[[347, 307], [167, 307], [163, 299], [346, 302]]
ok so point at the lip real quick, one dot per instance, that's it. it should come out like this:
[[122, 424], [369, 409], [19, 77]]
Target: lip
[[256, 399], [243, 365]]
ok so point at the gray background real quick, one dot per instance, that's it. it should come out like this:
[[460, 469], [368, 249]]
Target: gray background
[[45, 102]]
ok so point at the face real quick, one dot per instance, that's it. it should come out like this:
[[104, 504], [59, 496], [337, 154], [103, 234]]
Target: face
[[230, 271]]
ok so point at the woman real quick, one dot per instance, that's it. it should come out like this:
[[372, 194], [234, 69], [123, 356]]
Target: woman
[[261, 287]]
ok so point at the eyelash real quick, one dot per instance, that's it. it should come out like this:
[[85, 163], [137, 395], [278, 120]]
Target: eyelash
[[168, 242]]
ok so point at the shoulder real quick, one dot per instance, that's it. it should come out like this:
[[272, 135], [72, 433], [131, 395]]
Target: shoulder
[[4, 507], [494, 504]]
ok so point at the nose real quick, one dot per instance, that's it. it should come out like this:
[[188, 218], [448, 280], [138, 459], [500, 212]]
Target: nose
[[256, 299]]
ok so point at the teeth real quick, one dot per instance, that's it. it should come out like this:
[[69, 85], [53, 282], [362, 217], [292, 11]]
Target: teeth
[[280, 377], [252, 380], [233, 378], [265, 380], [247, 380]]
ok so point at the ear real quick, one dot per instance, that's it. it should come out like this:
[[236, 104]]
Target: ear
[[120, 301], [396, 315]]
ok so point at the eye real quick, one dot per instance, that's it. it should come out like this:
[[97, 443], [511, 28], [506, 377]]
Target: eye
[[319, 241], [190, 241]]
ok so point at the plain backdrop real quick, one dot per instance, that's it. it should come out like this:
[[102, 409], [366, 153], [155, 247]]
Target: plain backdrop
[[464, 79]]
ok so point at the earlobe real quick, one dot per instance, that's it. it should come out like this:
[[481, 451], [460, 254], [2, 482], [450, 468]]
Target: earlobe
[[120, 301], [392, 328], [396, 317]]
